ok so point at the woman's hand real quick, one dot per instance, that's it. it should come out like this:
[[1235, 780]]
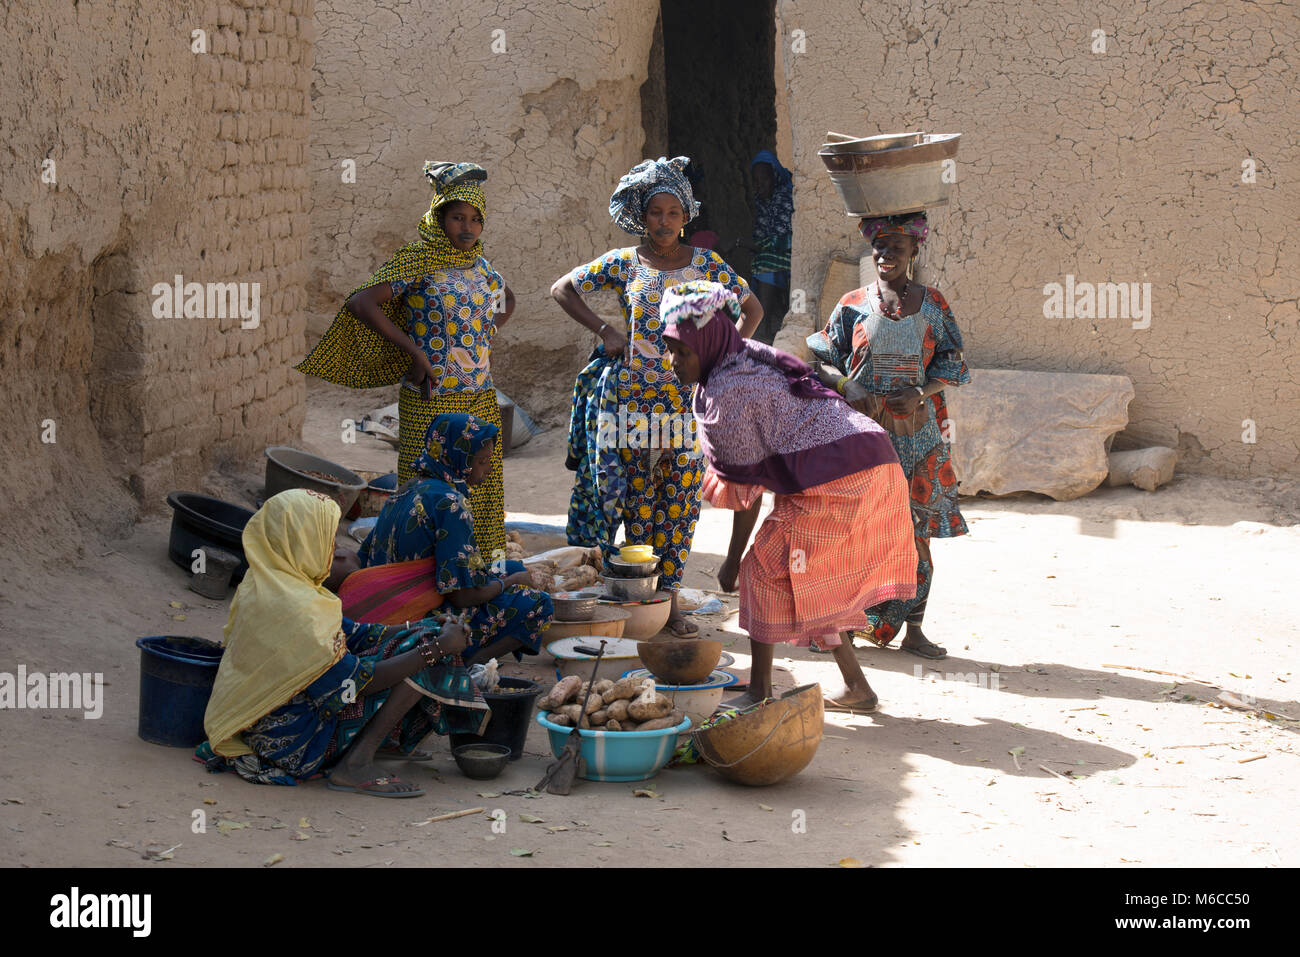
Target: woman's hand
[[728, 574], [904, 401], [524, 578], [420, 373], [453, 638], [614, 341], [855, 393]]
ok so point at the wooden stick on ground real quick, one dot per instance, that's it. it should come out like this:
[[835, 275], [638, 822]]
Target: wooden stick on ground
[[1055, 775], [1171, 674], [451, 814]]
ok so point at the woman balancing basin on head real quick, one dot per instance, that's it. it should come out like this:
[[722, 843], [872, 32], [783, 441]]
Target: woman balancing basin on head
[[430, 314], [839, 538], [623, 478], [896, 347]]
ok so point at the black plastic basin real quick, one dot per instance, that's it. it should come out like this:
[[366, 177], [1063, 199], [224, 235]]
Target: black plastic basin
[[200, 521]]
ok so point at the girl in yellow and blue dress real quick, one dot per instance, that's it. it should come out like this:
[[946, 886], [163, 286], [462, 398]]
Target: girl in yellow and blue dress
[[429, 317], [627, 400]]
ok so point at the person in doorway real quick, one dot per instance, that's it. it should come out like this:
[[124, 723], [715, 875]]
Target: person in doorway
[[894, 346], [839, 537], [624, 476], [431, 314], [773, 231]]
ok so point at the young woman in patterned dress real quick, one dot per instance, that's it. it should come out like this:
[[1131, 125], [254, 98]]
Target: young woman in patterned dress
[[895, 347]]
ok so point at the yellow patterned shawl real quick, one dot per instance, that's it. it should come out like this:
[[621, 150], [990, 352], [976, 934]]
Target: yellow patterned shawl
[[353, 354], [285, 630]]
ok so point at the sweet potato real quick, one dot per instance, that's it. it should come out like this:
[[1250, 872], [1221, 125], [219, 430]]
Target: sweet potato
[[597, 718], [594, 703], [561, 719], [623, 689], [649, 704], [617, 710], [629, 725], [612, 725], [601, 686], [564, 690], [571, 711], [670, 720]]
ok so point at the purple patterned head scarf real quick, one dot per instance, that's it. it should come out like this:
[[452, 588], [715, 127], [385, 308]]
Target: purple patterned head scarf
[[911, 224], [762, 416], [645, 179]]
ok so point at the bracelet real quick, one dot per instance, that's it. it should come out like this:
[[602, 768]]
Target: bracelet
[[431, 652], [503, 587], [920, 392], [601, 330], [839, 385]]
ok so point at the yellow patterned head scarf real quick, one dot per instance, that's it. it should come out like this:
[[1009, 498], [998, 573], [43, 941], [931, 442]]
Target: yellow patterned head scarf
[[353, 354], [285, 628]]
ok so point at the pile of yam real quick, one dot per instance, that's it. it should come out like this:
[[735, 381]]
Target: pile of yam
[[629, 704], [569, 568]]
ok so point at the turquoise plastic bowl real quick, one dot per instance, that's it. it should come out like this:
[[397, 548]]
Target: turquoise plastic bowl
[[618, 755]]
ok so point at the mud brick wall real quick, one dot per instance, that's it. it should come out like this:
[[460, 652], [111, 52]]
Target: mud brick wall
[[1117, 166], [166, 162]]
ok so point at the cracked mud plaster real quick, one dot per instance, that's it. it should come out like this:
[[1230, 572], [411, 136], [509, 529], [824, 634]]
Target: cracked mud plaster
[[555, 119], [166, 162], [1122, 167]]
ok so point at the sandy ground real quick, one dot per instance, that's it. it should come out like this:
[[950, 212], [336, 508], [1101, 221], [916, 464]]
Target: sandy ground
[[1044, 599]]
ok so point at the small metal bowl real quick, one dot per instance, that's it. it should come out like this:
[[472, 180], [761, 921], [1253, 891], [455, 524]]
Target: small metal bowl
[[617, 568], [574, 605], [481, 761], [632, 589]]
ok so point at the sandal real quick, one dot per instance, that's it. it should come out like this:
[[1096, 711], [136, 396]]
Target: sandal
[[862, 706], [368, 787], [927, 650]]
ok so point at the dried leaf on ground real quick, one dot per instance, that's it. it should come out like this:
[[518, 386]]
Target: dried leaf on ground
[[273, 860], [520, 852]]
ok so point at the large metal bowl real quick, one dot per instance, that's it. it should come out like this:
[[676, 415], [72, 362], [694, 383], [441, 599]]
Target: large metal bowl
[[892, 174], [615, 567], [288, 468], [632, 589]]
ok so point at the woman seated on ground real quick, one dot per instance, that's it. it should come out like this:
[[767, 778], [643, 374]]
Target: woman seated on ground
[[301, 689], [430, 518], [839, 538]]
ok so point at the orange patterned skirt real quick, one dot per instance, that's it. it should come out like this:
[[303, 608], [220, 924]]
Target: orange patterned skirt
[[823, 555]]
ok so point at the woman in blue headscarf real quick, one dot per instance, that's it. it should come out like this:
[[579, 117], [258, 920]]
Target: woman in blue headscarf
[[430, 517], [773, 230], [630, 414]]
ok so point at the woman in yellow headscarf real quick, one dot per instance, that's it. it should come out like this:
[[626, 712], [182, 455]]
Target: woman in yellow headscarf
[[301, 688], [430, 314]]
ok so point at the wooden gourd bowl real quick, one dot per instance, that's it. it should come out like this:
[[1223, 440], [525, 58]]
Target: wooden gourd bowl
[[683, 661]]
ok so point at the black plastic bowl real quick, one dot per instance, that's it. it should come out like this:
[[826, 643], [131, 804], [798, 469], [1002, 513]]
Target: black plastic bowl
[[200, 521]]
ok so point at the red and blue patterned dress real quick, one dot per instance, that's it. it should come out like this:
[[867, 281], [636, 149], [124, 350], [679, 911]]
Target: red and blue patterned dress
[[882, 354]]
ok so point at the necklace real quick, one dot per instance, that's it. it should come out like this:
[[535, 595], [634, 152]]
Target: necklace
[[671, 254], [897, 312]]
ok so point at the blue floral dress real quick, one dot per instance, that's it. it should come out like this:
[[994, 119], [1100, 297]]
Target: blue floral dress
[[432, 519], [629, 437]]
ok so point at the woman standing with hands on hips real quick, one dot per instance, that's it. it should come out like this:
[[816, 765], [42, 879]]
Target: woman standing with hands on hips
[[624, 474], [429, 317], [895, 347]]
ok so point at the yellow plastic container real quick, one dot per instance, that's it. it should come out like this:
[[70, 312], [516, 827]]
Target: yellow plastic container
[[637, 553]]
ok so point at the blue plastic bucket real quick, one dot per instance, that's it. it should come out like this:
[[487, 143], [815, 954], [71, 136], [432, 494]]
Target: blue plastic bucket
[[176, 677]]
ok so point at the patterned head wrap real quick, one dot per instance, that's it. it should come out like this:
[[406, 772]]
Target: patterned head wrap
[[687, 310], [799, 434], [910, 224], [452, 183], [645, 179], [452, 441]]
